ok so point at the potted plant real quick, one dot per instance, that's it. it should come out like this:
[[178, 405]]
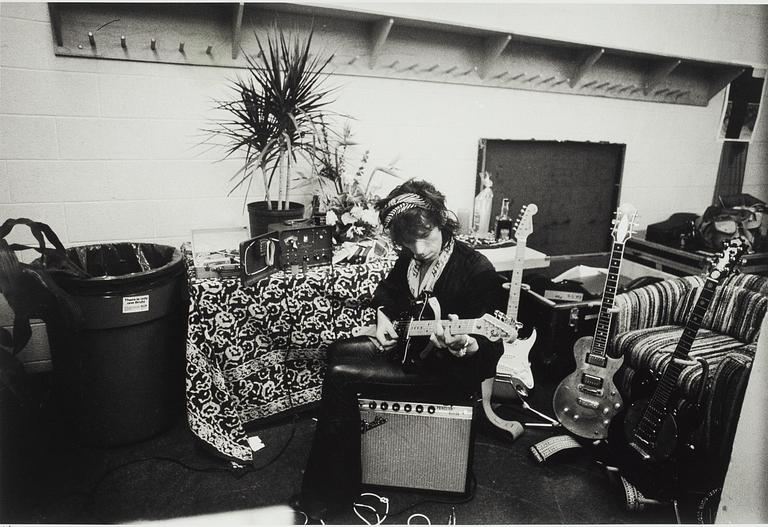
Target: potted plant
[[271, 120]]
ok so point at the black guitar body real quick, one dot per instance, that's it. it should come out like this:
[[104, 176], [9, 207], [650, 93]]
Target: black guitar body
[[664, 469], [412, 351]]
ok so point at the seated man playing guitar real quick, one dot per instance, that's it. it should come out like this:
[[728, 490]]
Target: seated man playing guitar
[[433, 265]]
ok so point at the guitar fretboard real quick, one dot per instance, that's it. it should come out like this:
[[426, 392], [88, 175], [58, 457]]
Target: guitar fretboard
[[600, 341], [516, 280], [422, 328], [647, 428]]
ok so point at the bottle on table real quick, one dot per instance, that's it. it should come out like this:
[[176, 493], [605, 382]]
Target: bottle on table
[[481, 220], [503, 222]]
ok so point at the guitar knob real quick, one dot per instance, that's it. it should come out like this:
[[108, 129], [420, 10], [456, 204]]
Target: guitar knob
[[616, 405], [606, 410], [566, 410], [606, 422], [575, 417]]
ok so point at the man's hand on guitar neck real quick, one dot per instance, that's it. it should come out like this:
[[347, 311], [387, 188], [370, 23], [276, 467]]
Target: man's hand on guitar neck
[[386, 336], [458, 345]]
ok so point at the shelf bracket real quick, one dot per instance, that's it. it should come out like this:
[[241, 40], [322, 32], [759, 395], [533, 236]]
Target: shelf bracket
[[237, 28], [379, 31], [723, 80], [587, 59], [493, 47], [659, 74]]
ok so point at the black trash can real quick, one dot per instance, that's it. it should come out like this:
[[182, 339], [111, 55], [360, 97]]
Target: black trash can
[[120, 377]]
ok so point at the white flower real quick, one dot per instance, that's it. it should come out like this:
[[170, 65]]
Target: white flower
[[357, 212], [331, 218], [348, 219], [370, 216]]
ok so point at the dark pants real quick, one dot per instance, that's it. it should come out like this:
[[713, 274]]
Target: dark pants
[[332, 476]]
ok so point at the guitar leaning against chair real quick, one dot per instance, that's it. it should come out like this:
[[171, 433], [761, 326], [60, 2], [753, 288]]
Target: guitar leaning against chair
[[650, 443], [587, 399]]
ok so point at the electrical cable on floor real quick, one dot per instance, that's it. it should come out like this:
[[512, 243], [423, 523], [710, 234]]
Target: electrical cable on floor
[[470, 497]]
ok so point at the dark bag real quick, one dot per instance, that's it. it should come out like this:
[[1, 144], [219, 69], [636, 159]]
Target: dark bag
[[719, 224], [677, 231]]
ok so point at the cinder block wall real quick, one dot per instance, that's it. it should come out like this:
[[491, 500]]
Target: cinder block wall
[[107, 150]]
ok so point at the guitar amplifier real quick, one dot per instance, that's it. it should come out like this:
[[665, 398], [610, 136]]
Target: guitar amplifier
[[416, 445]]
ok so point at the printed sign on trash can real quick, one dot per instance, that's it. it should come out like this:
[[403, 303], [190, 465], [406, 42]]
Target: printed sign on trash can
[[135, 304]]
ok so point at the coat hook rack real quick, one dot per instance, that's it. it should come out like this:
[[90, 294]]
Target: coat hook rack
[[153, 44], [92, 39], [181, 47], [123, 44]]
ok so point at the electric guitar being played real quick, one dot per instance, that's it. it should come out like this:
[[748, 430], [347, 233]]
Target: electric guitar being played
[[649, 440], [587, 400], [416, 327]]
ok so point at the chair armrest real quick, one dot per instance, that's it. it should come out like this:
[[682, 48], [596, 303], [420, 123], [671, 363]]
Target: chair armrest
[[650, 306]]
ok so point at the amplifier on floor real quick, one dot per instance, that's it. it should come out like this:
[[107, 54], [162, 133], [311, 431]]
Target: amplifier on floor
[[416, 445]]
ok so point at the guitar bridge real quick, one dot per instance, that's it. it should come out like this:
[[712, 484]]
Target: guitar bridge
[[590, 391], [588, 403]]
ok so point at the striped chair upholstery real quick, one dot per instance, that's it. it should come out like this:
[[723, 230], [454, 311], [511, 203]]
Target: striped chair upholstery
[[650, 320]]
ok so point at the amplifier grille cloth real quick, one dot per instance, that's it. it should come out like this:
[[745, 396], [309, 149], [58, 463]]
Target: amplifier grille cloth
[[416, 451]]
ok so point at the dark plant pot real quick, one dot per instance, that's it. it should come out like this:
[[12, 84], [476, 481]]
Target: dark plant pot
[[259, 216]]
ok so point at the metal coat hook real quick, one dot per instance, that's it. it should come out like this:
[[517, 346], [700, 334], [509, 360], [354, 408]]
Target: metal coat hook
[[672, 92], [353, 60], [635, 90], [558, 83], [625, 88], [450, 70], [153, 44], [395, 63], [587, 85], [547, 80], [500, 75], [517, 76], [533, 78], [123, 44], [209, 50], [431, 68], [91, 39], [470, 70], [411, 67], [686, 92], [601, 86], [181, 47], [613, 87], [661, 91]]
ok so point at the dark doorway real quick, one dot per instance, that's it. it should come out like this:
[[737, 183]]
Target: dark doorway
[[574, 184]]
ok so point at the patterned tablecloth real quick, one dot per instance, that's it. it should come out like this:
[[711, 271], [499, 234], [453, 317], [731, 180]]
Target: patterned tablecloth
[[258, 351]]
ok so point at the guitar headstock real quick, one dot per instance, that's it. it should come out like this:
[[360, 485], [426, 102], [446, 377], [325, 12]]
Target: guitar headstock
[[728, 260], [494, 328], [524, 222], [624, 224]]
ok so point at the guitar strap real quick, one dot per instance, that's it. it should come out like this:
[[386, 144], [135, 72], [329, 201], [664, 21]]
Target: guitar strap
[[416, 286]]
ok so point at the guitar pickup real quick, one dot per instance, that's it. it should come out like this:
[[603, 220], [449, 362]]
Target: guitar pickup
[[596, 360], [588, 403], [592, 380], [597, 392]]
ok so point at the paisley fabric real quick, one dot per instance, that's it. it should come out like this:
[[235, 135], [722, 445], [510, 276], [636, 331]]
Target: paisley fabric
[[258, 351]]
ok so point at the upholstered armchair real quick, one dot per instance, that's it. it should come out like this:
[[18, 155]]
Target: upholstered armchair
[[649, 321]]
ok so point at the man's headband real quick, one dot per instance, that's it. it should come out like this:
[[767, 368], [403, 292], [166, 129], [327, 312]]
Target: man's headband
[[400, 204]]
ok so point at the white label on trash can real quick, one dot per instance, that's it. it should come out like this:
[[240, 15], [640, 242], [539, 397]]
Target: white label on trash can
[[135, 304]]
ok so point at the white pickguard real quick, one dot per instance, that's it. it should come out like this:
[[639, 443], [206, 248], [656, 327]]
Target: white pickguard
[[514, 362]]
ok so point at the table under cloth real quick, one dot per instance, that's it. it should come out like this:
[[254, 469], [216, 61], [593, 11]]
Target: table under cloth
[[258, 351]]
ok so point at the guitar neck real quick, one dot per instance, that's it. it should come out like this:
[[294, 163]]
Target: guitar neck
[[516, 280], [602, 330], [422, 328], [658, 406]]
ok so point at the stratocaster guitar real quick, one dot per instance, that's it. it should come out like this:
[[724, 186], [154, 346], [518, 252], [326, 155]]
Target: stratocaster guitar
[[649, 440], [415, 329], [587, 400], [513, 366]]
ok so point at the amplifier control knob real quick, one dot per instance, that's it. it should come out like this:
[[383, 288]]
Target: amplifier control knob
[[430, 409], [395, 407], [372, 405], [419, 408], [384, 405], [407, 407]]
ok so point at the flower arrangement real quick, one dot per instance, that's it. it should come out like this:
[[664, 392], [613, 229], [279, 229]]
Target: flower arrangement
[[347, 198]]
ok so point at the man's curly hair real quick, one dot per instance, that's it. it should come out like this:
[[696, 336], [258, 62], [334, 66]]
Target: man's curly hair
[[418, 222]]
